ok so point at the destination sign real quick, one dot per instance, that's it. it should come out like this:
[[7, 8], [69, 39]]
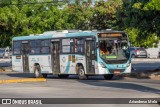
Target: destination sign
[[103, 35]]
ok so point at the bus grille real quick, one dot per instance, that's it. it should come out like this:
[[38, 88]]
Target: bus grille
[[116, 61]]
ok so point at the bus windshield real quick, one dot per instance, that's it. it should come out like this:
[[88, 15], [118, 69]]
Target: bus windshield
[[114, 48]]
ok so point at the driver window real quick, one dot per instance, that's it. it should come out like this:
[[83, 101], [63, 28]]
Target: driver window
[[103, 49]]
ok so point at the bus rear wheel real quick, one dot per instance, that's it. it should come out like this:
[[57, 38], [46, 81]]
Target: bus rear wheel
[[81, 73], [108, 76], [44, 75], [63, 75], [37, 71]]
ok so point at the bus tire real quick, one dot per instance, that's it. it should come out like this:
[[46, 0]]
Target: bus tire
[[37, 71], [108, 76], [63, 75], [44, 75], [81, 73]]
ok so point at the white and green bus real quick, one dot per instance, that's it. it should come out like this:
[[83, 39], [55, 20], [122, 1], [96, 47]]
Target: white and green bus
[[64, 53]]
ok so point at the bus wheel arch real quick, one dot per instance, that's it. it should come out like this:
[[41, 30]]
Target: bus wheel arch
[[37, 70], [80, 71]]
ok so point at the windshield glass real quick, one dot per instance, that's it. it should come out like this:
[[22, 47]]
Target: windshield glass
[[2, 50], [114, 48]]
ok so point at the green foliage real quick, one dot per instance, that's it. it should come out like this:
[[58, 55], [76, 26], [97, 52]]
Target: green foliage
[[139, 18], [133, 35], [105, 14], [136, 35], [141, 21]]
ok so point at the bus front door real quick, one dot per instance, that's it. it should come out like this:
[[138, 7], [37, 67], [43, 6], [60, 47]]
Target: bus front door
[[90, 56], [25, 52], [55, 57]]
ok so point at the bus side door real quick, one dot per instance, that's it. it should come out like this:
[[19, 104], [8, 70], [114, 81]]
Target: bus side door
[[55, 56], [25, 52], [90, 53]]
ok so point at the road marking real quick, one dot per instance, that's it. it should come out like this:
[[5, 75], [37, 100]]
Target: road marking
[[23, 80]]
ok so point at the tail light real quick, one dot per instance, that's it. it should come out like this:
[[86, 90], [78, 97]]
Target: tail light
[[137, 51]]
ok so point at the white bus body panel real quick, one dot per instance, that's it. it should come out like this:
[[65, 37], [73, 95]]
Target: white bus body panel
[[17, 64], [101, 70], [68, 63], [43, 60], [128, 69]]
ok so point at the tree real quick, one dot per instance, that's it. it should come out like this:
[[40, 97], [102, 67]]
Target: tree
[[140, 18], [105, 14]]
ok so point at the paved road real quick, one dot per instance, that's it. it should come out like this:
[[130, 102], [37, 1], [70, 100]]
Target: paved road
[[143, 66], [95, 87]]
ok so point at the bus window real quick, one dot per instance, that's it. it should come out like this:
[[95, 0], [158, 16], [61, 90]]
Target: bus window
[[67, 46], [17, 47], [32, 43], [17, 51], [75, 45], [79, 44], [45, 50], [35, 47], [45, 43], [104, 49], [35, 51], [45, 46], [71, 45], [38, 43], [17, 44]]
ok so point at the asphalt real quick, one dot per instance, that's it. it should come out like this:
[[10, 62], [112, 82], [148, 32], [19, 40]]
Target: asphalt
[[95, 87]]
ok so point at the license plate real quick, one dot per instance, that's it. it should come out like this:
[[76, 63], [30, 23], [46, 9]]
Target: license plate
[[116, 72], [143, 53]]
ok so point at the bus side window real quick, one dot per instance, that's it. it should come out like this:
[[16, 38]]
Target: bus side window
[[71, 45], [75, 45], [17, 47], [32, 45], [79, 43], [45, 50], [45, 46]]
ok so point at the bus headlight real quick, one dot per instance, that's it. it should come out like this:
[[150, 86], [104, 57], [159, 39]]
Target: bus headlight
[[102, 65]]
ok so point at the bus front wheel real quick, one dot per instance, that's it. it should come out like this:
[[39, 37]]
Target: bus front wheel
[[81, 73], [108, 76]]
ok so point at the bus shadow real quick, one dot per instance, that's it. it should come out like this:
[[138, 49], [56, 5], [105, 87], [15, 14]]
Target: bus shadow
[[121, 85], [75, 77], [97, 81], [31, 75], [21, 75], [101, 82]]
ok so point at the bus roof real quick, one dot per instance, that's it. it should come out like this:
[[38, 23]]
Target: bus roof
[[54, 34]]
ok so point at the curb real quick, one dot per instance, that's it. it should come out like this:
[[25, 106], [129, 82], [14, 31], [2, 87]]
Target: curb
[[23, 80]]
